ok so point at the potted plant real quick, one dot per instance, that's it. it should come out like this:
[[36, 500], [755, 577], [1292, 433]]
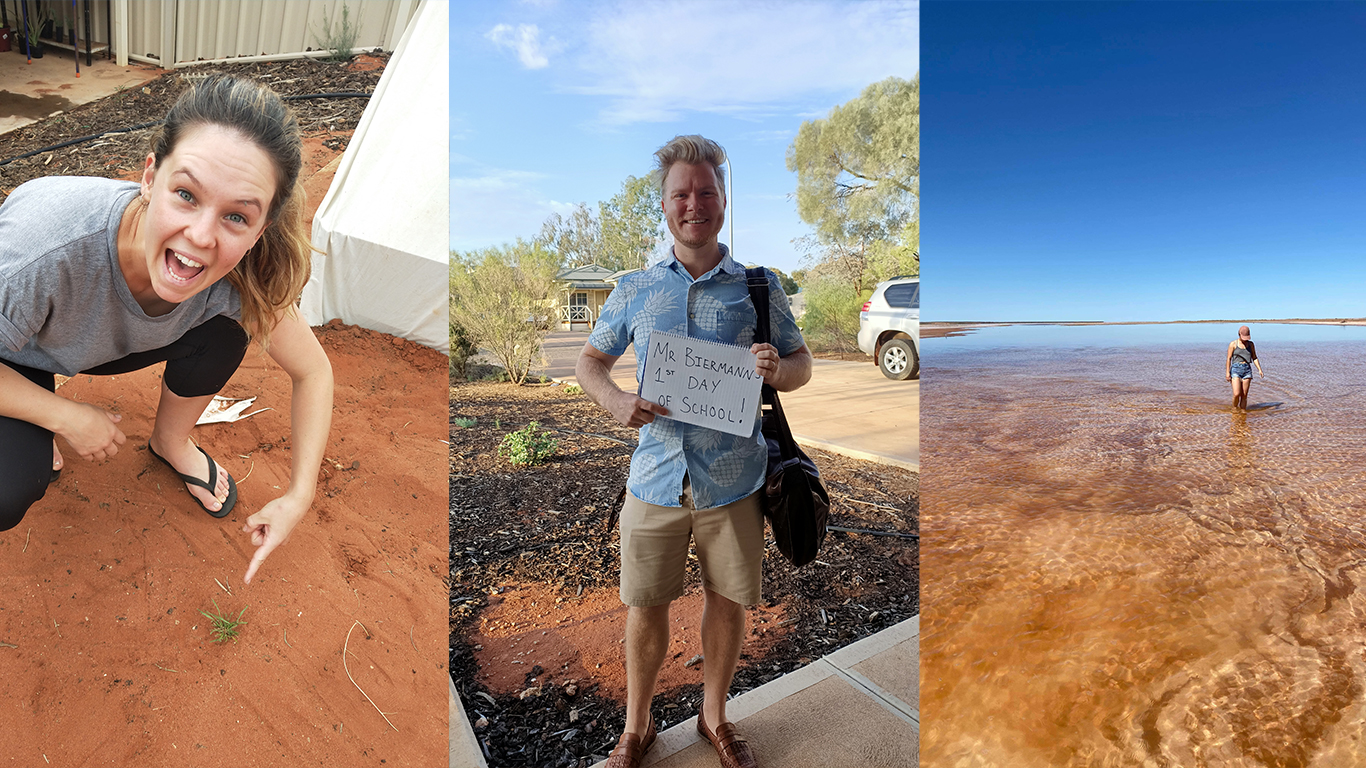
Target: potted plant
[[41, 18]]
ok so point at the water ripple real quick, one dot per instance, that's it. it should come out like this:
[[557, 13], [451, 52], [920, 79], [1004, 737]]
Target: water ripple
[[1121, 570]]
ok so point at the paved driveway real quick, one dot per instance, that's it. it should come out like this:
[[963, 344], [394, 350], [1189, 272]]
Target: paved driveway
[[848, 408]]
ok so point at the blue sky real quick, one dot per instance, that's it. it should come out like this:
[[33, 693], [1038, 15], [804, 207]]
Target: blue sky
[[556, 103], [1143, 161]]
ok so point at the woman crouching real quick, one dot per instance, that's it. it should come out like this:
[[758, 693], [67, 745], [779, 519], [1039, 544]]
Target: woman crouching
[[104, 277]]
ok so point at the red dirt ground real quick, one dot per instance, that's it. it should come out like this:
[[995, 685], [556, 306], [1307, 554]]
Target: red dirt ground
[[365, 62], [104, 656], [579, 639], [107, 660]]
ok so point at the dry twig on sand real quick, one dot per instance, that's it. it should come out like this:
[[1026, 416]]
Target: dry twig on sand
[[353, 680]]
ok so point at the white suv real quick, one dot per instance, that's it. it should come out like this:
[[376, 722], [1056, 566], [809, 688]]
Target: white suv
[[889, 327]]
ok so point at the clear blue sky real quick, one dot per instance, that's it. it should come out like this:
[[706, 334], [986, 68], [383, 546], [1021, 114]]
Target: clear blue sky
[[556, 103], [1143, 161]]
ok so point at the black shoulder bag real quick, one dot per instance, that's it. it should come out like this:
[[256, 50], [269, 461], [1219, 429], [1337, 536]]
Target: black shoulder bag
[[794, 500]]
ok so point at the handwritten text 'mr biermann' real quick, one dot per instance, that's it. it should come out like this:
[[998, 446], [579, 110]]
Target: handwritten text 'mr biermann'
[[699, 364]]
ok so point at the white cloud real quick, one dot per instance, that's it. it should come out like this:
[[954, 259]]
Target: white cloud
[[460, 128], [493, 206], [780, 136], [655, 61], [525, 39]]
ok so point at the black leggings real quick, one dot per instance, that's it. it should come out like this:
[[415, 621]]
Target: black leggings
[[199, 363]]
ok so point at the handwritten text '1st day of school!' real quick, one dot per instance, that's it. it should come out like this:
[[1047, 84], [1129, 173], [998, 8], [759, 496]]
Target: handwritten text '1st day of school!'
[[702, 382]]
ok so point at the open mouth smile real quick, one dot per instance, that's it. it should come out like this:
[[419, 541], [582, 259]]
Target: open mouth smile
[[180, 267]]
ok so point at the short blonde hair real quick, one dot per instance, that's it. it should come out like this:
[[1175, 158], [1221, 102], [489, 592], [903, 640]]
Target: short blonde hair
[[692, 150]]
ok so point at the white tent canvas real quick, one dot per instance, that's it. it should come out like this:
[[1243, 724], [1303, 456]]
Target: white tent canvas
[[383, 225]]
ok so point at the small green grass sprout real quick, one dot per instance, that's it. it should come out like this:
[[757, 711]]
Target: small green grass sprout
[[465, 423], [223, 628]]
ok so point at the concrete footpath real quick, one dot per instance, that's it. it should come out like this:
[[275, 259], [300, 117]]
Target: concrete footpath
[[32, 91], [847, 408], [858, 706]]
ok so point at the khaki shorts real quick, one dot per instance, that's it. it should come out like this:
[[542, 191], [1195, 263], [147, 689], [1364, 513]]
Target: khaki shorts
[[654, 549]]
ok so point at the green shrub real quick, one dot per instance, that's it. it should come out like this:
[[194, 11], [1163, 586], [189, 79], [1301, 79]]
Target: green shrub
[[464, 423], [339, 38], [463, 347], [573, 389], [528, 446], [832, 316]]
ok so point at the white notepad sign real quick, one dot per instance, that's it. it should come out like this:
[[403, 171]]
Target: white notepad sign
[[706, 383]]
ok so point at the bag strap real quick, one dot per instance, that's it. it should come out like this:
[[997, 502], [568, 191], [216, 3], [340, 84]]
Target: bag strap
[[756, 278]]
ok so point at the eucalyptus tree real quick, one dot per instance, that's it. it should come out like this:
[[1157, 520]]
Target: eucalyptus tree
[[858, 183]]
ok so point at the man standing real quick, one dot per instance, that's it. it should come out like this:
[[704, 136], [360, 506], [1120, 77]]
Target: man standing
[[689, 482]]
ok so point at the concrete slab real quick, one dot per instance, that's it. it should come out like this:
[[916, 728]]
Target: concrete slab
[[825, 713], [465, 751], [847, 408], [679, 737], [830, 723], [895, 672], [858, 652], [31, 92]]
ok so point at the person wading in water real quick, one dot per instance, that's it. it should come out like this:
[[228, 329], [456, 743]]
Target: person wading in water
[[1242, 355]]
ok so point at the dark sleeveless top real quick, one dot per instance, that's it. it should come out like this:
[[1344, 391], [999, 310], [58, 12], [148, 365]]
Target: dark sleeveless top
[[1242, 355]]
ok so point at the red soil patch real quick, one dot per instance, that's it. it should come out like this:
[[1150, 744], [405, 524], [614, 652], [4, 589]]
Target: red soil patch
[[579, 638], [319, 166], [107, 659], [365, 63]]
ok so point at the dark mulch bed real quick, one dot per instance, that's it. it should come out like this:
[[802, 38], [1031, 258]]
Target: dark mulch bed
[[545, 524], [116, 155]]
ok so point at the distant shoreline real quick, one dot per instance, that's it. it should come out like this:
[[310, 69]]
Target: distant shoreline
[[937, 330]]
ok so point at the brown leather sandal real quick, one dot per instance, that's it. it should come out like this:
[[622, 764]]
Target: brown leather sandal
[[729, 744], [631, 748]]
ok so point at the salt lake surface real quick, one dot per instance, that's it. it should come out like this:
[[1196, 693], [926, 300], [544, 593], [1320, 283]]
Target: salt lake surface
[[1121, 570]]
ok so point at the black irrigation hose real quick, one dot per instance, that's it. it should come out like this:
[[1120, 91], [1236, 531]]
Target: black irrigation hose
[[140, 126], [69, 142], [915, 536], [338, 95]]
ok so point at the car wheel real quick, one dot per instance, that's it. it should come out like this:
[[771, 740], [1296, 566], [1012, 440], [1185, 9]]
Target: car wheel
[[898, 360]]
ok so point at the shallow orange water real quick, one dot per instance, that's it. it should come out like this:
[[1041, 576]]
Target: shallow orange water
[[1120, 570]]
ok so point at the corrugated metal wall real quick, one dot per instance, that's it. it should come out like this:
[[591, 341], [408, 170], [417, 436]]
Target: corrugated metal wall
[[205, 30]]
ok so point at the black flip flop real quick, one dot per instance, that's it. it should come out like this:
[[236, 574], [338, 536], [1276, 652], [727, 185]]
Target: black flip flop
[[209, 486]]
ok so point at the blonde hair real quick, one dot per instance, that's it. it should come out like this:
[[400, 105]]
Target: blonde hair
[[271, 276], [691, 150]]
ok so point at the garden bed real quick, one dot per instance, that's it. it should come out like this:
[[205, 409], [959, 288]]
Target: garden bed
[[535, 623], [330, 122]]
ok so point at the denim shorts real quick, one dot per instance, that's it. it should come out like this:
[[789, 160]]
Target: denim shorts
[[1241, 370]]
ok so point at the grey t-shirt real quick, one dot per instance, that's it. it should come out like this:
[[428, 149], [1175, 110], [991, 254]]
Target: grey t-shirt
[[64, 304]]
